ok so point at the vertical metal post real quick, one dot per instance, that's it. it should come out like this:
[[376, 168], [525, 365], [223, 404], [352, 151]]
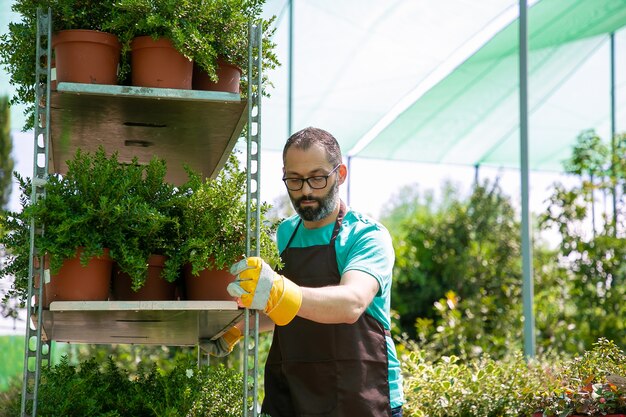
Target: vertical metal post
[[527, 271], [253, 211], [613, 128], [290, 73], [36, 351], [348, 188]]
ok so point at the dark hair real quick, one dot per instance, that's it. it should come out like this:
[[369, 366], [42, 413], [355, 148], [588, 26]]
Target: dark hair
[[310, 136]]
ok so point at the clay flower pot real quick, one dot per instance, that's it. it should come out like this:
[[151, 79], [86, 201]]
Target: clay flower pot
[[209, 284], [228, 76], [86, 56], [76, 282], [154, 289], [156, 63]]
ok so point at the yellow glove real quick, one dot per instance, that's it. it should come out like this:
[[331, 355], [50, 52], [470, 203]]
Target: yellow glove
[[223, 345], [259, 287]]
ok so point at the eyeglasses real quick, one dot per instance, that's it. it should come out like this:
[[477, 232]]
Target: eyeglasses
[[317, 182]]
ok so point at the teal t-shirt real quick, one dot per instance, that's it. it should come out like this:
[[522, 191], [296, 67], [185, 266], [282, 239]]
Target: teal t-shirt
[[364, 245]]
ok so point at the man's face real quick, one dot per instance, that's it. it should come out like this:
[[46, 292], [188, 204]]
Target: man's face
[[312, 204]]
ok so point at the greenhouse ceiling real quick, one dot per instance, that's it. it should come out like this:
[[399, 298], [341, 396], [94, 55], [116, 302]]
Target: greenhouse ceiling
[[438, 81]]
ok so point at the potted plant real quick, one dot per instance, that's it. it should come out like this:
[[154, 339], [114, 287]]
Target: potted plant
[[213, 227], [148, 238], [18, 45], [98, 209], [157, 34], [203, 32], [227, 31]]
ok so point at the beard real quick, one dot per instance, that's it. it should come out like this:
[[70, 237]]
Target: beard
[[325, 205]]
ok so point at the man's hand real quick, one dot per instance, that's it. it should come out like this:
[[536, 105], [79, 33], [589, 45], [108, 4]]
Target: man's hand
[[223, 345], [260, 288]]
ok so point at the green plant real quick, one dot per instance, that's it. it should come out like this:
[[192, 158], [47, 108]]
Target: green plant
[[99, 203], [18, 45], [203, 31], [213, 221], [15, 238], [591, 232], [108, 390], [485, 387], [591, 385]]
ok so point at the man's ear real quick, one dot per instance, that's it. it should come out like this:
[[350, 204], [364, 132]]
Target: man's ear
[[342, 173]]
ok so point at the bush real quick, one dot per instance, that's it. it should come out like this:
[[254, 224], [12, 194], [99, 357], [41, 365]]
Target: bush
[[480, 387], [94, 390]]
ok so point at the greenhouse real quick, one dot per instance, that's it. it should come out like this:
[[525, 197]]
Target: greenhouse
[[488, 138]]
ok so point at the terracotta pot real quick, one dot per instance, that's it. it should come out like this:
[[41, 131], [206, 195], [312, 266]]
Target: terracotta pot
[[156, 63], [75, 282], [209, 284], [228, 75], [86, 56], [155, 288]]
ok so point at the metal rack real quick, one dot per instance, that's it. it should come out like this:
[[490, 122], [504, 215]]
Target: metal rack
[[197, 127]]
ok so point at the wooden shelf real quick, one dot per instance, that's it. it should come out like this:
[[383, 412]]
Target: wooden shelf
[[197, 128], [180, 323]]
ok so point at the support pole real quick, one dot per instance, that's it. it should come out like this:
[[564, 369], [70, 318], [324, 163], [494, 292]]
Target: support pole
[[613, 144], [290, 74], [476, 174], [527, 273], [348, 186]]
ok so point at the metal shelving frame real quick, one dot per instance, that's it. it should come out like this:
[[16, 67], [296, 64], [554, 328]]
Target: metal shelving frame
[[253, 212], [36, 351], [37, 342]]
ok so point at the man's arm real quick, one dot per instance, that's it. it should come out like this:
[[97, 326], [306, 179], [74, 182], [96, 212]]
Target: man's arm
[[343, 303], [258, 286]]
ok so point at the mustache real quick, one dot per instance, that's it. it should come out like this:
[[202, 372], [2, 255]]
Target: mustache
[[308, 198]]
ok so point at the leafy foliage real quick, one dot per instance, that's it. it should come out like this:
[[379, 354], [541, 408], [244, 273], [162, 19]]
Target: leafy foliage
[[482, 386], [107, 390], [203, 31], [213, 221], [593, 384], [15, 240], [459, 251], [593, 242], [98, 204], [18, 45], [6, 146]]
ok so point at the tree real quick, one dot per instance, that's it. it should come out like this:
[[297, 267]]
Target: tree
[[6, 174], [6, 146], [593, 247], [457, 280]]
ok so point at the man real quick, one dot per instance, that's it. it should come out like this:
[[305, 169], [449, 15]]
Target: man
[[331, 353]]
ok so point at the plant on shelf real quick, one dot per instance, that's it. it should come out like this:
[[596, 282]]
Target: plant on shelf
[[18, 44], [149, 225], [98, 204], [213, 221], [202, 31]]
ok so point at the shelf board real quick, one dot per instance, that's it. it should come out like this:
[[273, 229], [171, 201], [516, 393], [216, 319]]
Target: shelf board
[[197, 128], [173, 323]]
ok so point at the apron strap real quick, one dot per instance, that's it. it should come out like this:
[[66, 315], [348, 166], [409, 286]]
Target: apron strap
[[340, 216]]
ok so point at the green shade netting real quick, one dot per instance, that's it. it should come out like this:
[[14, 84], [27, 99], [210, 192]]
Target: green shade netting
[[353, 60], [472, 115]]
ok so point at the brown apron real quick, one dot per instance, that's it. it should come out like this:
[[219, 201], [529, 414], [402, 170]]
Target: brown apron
[[333, 370]]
